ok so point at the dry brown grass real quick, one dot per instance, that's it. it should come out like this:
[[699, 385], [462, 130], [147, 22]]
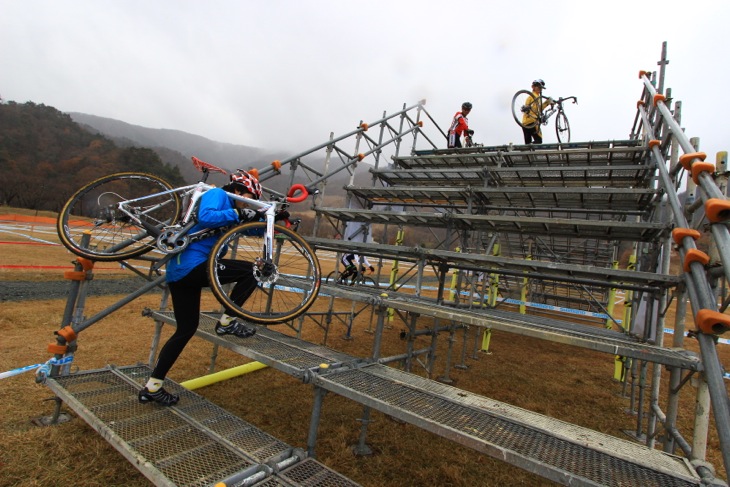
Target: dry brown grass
[[564, 382]]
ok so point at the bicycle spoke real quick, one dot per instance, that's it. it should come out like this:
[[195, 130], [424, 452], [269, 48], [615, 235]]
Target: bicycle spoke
[[113, 234], [280, 295]]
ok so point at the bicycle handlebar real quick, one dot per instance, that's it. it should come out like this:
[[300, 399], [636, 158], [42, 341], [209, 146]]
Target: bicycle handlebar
[[304, 193], [575, 99]]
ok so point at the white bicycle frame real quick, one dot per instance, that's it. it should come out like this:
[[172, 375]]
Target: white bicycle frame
[[187, 222]]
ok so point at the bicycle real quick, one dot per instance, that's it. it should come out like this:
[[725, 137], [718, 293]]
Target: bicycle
[[469, 140], [359, 278], [126, 215], [525, 106]]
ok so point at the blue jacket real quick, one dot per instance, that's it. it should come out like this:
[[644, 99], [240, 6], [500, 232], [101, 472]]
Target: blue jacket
[[215, 210]]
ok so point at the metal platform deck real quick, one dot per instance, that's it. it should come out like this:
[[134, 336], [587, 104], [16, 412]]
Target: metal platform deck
[[566, 272], [194, 443], [603, 227], [458, 175], [599, 153], [590, 337], [553, 449], [617, 201]]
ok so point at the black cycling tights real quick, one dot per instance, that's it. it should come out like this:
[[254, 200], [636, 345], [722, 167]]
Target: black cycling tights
[[185, 295]]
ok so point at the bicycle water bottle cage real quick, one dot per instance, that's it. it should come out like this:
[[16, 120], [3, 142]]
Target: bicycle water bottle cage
[[170, 242]]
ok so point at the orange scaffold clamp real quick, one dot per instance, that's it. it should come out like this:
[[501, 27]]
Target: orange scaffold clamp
[[699, 167], [717, 210], [712, 322], [678, 234], [686, 160], [694, 255]]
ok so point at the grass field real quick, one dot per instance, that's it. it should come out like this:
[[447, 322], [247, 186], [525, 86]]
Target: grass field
[[564, 382]]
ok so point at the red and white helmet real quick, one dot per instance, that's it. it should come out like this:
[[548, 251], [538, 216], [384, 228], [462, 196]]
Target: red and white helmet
[[248, 181]]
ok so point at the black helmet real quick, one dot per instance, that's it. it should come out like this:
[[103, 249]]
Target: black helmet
[[466, 105], [539, 83]]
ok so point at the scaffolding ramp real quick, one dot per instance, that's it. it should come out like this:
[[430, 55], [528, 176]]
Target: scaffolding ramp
[[192, 444]]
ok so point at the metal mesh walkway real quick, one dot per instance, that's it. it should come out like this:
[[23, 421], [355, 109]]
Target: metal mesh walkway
[[195, 443], [553, 449], [562, 452]]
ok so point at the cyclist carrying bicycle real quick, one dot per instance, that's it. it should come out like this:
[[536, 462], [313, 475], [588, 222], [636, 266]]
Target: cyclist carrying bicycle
[[534, 105], [187, 275], [351, 268]]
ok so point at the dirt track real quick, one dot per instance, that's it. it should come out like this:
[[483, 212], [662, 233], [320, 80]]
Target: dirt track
[[25, 290]]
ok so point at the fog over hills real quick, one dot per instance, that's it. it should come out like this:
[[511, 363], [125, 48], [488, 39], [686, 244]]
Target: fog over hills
[[175, 147]]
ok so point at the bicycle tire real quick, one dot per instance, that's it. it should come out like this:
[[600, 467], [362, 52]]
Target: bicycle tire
[[562, 127], [331, 277], [518, 101], [113, 236], [367, 281], [290, 294]]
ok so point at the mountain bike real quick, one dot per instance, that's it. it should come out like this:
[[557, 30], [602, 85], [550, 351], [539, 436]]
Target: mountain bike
[[125, 215], [524, 106], [346, 279]]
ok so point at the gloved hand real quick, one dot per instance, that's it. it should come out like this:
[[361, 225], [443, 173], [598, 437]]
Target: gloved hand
[[281, 215], [372, 269], [247, 215]]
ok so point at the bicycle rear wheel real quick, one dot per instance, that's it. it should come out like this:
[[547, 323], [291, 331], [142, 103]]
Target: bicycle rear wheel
[[562, 128], [94, 209], [531, 110], [285, 291], [333, 278]]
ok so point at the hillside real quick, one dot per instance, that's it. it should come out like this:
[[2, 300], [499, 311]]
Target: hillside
[[45, 156]]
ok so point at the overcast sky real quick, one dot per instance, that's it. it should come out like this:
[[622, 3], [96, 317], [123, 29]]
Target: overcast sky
[[283, 74]]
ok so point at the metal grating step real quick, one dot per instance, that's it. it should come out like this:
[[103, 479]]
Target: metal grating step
[[590, 337], [553, 449], [634, 201], [556, 450], [287, 354], [601, 227], [610, 152], [566, 272], [195, 443]]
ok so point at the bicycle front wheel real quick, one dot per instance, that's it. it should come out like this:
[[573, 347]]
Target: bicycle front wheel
[[562, 128], [526, 114], [367, 281], [284, 290], [114, 235]]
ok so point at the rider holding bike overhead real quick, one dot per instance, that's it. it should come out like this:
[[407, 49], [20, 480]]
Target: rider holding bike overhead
[[187, 275], [534, 104]]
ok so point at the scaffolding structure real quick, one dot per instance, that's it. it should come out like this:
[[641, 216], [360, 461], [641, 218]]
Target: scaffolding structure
[[534, 240]]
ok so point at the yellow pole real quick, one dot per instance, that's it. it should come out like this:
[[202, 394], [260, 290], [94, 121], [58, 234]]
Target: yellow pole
[[494, 280], [209, 379], [486, 338], [611, 300], [523, 292], [394, 271], [618, 365], [454, 277]]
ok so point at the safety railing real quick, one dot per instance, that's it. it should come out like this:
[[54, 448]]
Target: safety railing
[[659, 126]]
